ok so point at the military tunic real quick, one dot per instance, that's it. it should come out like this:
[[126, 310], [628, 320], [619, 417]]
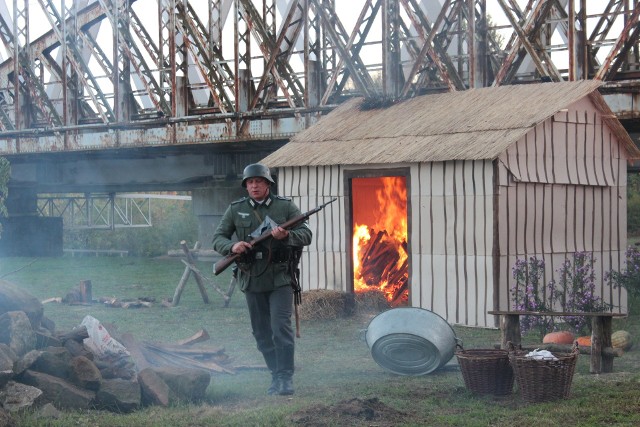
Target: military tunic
[[266, 267]]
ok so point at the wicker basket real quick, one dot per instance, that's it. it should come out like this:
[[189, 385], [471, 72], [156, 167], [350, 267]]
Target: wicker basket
[[486, 371], [544, 380]]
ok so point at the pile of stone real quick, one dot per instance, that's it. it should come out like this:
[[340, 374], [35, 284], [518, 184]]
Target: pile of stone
[[40, 366]]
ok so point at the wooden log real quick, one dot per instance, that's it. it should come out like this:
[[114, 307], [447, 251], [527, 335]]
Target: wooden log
[[180, 360], [135, 350], [198, 273], [232, 286], [597, 334], [510, 327], [85, 291], [201, 335], [607, 360], [181, 284], [78, 334], [199, 280], [196, 253]]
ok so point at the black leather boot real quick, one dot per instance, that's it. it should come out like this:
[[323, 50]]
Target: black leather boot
[[285, 370], [271, 359]]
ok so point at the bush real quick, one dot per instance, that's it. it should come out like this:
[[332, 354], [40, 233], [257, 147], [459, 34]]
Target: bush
[[633, 205], [574, 291], [629, 277]]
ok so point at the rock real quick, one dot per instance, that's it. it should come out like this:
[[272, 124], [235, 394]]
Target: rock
[[45, 339], [119, 395], [26, 361], [13, 298], [78, 349], [49, 411], [186, 384], [61, 393], [84, 373], [7, 357], [53, 361], [16, 332], [48, 324], [16, 396], [116, 367], [154, 390]]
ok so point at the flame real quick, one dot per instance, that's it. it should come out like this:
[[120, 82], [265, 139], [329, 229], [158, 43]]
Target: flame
[[381, 264]]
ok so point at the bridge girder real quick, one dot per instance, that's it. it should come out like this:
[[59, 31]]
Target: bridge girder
[[152, 73]]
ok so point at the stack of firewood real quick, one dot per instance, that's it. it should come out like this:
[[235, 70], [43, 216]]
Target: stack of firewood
[[379, 262]]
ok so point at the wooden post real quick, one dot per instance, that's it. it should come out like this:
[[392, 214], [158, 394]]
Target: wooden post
[[183, 281], [203, 290], [510, 327], [602, 353], [596, 345], [85, 291], [607, 357]]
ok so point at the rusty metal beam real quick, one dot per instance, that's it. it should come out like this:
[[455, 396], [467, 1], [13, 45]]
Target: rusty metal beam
[[354, 45], [337, 34], [282, 55], [627, 38]]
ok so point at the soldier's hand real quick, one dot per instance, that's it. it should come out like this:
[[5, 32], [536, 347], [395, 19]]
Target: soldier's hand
[[241, 247], [279, 233]]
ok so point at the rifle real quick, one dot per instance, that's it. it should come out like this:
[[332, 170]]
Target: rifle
[[225, 262]]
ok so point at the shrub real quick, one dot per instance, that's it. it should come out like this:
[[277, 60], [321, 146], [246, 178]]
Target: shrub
[[573, 291], [577, 291], [528, 294], [629, 277]]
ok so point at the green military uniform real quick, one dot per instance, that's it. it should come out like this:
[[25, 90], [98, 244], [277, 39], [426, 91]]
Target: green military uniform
[[265, 275], [266, 267]]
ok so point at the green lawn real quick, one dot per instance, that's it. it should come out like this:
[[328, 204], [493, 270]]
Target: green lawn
[[337, 381]]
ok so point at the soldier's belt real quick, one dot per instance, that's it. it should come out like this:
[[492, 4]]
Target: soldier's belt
[[277, 256]]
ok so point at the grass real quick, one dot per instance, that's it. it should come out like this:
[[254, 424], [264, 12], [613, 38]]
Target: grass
[[337, 381]]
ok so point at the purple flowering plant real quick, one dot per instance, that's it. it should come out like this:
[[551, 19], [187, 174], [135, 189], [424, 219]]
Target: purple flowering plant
[[575, 290], [629, 277], [530, 294]]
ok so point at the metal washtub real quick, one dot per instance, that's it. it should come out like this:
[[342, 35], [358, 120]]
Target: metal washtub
[[410, 341]]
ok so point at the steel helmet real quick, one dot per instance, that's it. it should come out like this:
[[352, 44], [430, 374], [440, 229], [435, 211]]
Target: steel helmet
[[256, 170]]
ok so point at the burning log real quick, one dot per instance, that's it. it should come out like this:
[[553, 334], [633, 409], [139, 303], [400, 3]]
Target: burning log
[[379, 264]]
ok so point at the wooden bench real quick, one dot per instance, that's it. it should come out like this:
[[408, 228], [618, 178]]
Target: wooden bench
[[602, 353], [96, 252]]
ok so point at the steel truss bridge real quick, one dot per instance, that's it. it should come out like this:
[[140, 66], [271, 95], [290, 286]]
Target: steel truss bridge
[[80, 77]]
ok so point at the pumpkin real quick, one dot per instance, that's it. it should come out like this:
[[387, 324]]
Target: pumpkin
[[560, 337], [584, 341], [621, 339]]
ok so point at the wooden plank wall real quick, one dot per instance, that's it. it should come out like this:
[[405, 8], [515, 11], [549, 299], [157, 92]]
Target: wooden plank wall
[[563, 190], [452, 238], [451, 235], [323, 264]]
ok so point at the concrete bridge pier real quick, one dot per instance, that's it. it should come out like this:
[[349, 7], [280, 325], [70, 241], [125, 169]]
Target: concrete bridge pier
[[210, 203], [24, 233]]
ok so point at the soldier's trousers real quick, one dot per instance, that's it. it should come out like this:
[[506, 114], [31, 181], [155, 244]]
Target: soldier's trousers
[[270, 314]]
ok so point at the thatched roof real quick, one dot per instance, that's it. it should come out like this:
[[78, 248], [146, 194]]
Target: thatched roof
[[467, 125]]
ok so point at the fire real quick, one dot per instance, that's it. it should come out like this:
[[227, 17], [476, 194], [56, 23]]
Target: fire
[[380, 256]]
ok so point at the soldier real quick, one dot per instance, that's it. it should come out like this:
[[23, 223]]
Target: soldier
[[266, 272]]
